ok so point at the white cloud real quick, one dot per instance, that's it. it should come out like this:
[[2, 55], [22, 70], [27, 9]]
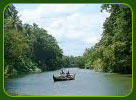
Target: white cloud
[[67, 22], [48, 11]]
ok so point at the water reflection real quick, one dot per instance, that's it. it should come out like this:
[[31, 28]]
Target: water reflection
[[87, 83]]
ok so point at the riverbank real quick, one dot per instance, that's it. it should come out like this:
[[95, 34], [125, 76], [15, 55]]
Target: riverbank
[[86, 83], [8, 76]]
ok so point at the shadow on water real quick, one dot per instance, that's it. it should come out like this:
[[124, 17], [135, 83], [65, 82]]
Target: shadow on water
[[87, 83]]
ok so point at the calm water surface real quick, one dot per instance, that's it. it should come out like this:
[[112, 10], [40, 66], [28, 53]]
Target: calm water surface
[[87, 83]]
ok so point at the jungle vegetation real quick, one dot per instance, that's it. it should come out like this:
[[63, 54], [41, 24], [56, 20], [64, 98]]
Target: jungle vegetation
[[29, 48], [113, 53]]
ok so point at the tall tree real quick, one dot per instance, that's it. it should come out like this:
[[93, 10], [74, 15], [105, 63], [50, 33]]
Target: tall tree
[[114, 51]]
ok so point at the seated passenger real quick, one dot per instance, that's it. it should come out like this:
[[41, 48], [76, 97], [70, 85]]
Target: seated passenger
[[68, 74], [62, 72]]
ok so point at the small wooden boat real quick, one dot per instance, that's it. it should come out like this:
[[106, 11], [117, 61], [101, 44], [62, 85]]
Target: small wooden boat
[[63, 78]]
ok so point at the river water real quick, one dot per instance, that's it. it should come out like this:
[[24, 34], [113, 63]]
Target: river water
[[87, 83]]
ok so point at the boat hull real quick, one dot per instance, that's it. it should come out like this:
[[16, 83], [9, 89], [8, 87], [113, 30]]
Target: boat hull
[[63, 78]]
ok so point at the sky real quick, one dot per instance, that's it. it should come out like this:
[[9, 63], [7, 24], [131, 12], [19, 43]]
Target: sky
[[76, 27]]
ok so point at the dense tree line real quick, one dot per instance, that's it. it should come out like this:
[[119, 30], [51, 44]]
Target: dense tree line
[[72, 61], [28, 48], [113, 53]]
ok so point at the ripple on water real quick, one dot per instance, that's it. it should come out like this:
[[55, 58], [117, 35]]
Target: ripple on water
[[87, 83]]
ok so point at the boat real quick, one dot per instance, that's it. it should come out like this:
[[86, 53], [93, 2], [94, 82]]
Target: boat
[[63, 78]]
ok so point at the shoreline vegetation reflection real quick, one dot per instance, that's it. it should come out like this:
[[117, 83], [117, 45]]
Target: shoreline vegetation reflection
[[104, 69]]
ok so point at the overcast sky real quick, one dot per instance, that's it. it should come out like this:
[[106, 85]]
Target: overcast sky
[[75, 26]]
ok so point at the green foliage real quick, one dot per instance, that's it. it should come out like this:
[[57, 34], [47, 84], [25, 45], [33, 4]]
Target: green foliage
[[11, 20], [69, 61], [15, 44], [28, 48], [80, 61], [114, 51]]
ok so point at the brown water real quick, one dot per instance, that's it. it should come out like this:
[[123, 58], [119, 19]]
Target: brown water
[[87, 83]]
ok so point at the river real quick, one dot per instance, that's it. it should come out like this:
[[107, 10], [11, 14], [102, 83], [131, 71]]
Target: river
[[87, 83]]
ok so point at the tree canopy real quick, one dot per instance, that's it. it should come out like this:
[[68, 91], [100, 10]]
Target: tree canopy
[[113, 53], [29, 48]]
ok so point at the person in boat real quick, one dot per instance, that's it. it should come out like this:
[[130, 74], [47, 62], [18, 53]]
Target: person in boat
[[62, 72], [68, 74]]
